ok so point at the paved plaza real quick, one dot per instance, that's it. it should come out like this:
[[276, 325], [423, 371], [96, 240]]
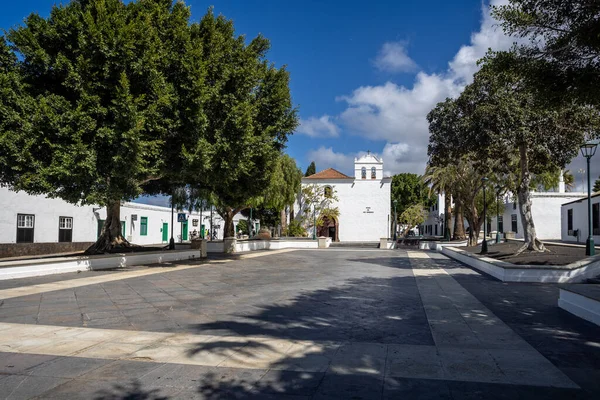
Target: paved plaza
[[303, 324]]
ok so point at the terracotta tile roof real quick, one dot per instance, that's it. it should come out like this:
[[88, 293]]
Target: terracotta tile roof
[[329, 173]]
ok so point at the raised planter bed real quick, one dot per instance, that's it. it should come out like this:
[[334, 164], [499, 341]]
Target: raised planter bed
[[508, 272], [58, 265], [582, 301]]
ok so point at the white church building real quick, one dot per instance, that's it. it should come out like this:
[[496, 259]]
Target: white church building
[[363, 201]]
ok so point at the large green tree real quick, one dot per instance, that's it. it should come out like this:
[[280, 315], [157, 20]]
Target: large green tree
[[282, 191], [565, 36], [446, 168], [408, 189], [283, 188], [249, 115], [107, 96], [510, 124]]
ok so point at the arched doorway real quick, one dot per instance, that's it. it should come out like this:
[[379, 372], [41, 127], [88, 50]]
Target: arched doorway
[[330, 228]]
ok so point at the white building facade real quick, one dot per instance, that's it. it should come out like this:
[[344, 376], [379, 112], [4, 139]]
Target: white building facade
[[363, 201], [434, 223], [574, 220], [37, 219], [545, 211]]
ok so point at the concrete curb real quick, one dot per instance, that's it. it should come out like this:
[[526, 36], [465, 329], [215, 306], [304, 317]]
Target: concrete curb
[[579, 305], [507, 272], [28, 268]]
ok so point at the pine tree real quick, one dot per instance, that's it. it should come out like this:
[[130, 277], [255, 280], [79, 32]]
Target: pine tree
[[311, 170]]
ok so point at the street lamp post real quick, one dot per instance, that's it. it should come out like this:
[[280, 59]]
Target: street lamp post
[[172, 240], [395, 221], [588, 150], [498, 188], [484, 244], [314, 222]]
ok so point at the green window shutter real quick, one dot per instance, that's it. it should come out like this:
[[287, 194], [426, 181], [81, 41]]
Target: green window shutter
[[143, 226]]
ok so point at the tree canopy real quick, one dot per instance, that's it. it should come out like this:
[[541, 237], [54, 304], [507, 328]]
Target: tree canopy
[[509, 131], [565, 35], [407, 190], [103, 101]]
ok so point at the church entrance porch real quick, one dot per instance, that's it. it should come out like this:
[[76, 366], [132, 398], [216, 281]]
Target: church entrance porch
[[329, 228]]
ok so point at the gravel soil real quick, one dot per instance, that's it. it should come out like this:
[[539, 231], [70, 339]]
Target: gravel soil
[[555, 255]]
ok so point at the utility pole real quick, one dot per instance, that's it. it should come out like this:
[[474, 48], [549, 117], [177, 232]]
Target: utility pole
[[211, 223], [172, 241]]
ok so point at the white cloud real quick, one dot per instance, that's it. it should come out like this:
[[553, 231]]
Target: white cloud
[[489, 36], [393, 58], [397, 158], [397, 114], [318, 127], [325, 157]]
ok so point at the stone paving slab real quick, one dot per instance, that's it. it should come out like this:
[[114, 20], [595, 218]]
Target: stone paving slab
[[304, 324]]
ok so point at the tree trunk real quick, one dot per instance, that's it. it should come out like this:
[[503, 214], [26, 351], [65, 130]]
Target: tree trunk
[[475, 228], [111, 238], [532, 243], [459, 221], [283, 222], [228, 229], [474, 223], [447, 215]]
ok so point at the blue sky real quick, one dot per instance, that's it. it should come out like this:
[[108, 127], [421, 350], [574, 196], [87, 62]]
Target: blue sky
[[363, 74]]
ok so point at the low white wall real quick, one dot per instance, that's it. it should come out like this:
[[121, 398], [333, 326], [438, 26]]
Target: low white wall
[[27, 268], [252, 245], [581, 306], [275, 245], [506, 272]]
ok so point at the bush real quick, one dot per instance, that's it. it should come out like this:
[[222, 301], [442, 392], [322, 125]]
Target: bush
[[295, 229], [242, 226]]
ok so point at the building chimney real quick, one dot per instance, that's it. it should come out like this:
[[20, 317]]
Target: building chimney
[[561, 182]]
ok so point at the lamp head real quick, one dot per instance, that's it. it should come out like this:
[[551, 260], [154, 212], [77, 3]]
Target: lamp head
[[484, 179], [588, 149]]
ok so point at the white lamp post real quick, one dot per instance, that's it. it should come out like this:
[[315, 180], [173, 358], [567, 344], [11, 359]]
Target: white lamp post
[[588, 150]]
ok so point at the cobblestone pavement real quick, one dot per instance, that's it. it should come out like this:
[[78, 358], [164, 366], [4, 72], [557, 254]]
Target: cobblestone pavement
[[318, 324]]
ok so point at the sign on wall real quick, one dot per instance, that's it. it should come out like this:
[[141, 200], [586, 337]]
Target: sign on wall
[[194, 222]]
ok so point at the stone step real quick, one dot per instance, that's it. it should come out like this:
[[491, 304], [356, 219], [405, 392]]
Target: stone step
[[361, 245]]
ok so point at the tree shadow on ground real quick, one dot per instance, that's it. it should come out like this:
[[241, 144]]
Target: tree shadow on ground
[[131, 391], [378, 310], [324, 324]]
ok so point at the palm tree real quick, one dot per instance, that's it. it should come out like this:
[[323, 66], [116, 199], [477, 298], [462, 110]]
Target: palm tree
[[442, 180], [569, 180]]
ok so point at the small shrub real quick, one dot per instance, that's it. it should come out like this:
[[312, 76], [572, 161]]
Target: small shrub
[[295, 229]]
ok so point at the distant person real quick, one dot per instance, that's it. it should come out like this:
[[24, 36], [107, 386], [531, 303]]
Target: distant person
[[208, 234]]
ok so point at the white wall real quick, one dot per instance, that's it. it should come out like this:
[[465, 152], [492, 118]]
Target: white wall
[[47, 213], [85, 220], [435, 217], [355, 223], [368, 161], [545, 210], [580, 220]]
